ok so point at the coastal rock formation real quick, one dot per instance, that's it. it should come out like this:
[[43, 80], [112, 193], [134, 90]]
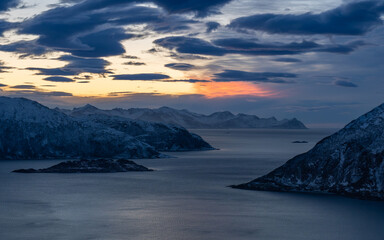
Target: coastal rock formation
[[90, 166], [349, 162]]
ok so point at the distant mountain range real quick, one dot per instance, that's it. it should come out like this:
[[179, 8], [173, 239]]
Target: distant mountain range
[[30, 130], [349, 162], [189, 119]]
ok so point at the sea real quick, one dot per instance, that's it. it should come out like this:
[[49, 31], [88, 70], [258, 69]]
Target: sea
[[186, 197]]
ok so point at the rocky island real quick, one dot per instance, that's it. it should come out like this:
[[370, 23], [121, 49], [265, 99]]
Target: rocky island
[[349, 162], [90, 166]]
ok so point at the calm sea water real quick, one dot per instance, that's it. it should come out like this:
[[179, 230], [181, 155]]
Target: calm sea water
[[186, 198]]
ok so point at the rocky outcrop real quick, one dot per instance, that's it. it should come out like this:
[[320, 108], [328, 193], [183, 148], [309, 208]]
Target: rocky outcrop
[[349, 162], [90, 166]]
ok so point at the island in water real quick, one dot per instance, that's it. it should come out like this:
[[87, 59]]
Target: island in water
[[90, 166], [349, 162]]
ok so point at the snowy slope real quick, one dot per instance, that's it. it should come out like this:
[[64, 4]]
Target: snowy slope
[[192, 120], [349, 162], [163, 137], [29, 130]]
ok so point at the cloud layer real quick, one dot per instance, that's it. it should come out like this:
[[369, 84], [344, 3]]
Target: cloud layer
[[75, 66], [221, 47], [5, 5], [140, 76], [355, 18], [266, 77]]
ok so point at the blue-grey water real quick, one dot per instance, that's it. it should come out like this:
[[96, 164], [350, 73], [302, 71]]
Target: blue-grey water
[[185, 198]]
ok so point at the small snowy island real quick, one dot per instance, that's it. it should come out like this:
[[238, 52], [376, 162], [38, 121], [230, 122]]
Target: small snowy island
[[90, 166], [349, 162]]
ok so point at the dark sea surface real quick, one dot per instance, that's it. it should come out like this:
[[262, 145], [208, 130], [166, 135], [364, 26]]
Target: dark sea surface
[[185, 198]]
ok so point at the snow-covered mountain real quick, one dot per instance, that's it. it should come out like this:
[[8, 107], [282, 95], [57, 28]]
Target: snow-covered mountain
[[163, 137], [29, 130], [192, 120], [349, 162]]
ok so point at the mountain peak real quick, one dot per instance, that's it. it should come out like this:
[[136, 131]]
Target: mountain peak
[[26, 110], [87, 107], [165, 108], [187, 119], [223, 114]]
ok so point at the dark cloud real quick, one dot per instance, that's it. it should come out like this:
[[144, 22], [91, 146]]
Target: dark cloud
[[37, 93], [83, 82], [129, 57], [133, 63], [170, 24], [3, 85], [3, 67], [84, 77], [186, 56], [25, 48], [187, 80], [201, 7], [225, 46], [87, 29], [355, 18], [119, 94], [342, 48], [180, 66], [56, 94], [58, 79], [95, 28], [252, 47], [140, 76], [287, 60], [53, 71], [102, 43], [241, 44], [5, 26], [5, 5], [75, 66], [25, 86], [152, 51], [190, 45], [236, 76], [344, 83], [212, 26]]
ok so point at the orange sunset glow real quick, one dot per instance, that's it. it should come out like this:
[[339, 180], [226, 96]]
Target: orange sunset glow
[[230, 89]]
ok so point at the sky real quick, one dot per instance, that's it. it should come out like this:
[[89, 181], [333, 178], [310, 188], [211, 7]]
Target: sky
[[319, 61]]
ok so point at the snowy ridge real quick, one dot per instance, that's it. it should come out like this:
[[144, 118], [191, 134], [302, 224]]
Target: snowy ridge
[[349, 162], [30, 130], [163, 137], [192, 120]]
